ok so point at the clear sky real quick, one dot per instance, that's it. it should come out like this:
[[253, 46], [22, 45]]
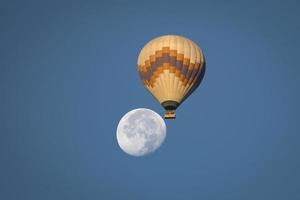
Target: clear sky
[[68, 75]]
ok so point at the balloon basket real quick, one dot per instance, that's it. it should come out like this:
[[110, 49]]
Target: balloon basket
[[170, 115]]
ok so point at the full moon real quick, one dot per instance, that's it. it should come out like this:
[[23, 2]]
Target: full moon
[[140, 132]]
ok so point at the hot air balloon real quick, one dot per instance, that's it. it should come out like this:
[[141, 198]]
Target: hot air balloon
[[171, 67]]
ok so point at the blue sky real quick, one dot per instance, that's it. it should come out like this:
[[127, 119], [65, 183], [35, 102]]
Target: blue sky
[[68, 75]]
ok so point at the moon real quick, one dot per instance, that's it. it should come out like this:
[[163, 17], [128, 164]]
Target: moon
[[141, 132]]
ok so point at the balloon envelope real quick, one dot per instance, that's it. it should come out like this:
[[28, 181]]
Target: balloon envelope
[[171, 67]]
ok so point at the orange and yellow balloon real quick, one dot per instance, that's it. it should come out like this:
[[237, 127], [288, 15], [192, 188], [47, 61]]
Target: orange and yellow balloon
[[171, 68]]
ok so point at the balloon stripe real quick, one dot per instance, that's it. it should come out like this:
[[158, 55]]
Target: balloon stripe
[[186, 74], [183, 65], [177, 61], [171, 69]]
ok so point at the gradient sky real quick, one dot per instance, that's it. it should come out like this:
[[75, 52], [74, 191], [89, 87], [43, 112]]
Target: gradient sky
[[68, 75]]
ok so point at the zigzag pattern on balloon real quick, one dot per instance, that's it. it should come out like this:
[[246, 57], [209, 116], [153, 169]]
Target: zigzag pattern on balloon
[[166, 54], [187, 79], [169, 60]]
